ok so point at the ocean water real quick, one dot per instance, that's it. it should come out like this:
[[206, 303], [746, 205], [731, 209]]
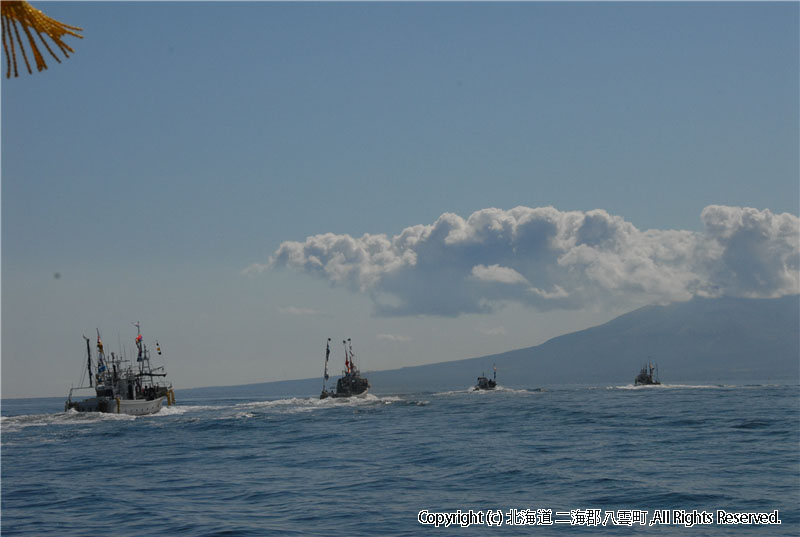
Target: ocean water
[[554, 461]]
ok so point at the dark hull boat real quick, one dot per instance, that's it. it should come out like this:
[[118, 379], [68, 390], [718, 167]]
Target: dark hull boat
[[120, 387], [648, 376], [348, 386], [351, 383], [487, 383]]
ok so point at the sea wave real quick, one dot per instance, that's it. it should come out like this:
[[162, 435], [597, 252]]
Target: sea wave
[[178, 410], [70, 417], [368, 465], [668, 386], [309, 404], [498, 389]]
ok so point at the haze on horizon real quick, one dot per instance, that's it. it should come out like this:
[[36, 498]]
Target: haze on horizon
[[436, 181]]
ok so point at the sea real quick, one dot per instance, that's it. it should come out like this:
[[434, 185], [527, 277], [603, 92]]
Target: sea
[[689, 459]]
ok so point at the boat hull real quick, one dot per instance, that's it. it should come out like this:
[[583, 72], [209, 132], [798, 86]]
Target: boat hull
[[646, 383], [348, 386], [330, 393], [107, 405]]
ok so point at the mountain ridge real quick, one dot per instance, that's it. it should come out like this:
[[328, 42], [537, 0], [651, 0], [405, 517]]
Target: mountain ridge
[[703, 339]]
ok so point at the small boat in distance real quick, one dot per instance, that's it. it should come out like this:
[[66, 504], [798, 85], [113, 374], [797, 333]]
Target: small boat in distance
[[351, 383], [486, 383], [121, 388], [648, 376]]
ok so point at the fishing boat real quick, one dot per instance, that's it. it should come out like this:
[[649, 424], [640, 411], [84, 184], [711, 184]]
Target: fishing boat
[[487, 383], [119, 386], [351, 382], [648, 376]]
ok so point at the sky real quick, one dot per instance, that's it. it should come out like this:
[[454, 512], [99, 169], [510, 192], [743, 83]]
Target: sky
[[436, 181]]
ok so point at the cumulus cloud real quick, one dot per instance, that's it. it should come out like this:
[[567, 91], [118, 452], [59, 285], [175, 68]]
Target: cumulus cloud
[[758, 251], [545, 258], [496, 273]]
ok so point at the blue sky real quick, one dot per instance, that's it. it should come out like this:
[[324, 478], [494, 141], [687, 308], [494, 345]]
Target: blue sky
[[184, 145]]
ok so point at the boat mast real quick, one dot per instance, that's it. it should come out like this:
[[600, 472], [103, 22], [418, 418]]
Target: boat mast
[[88, 360], [352, 363], [139, 356], [346, 358], [101, 355], [327, 354]]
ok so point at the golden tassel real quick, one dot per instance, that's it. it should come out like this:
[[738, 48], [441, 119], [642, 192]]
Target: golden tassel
[[30, 17]]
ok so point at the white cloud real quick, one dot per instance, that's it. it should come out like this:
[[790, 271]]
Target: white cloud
[[393, 338], [545, 258], [557, 292], [498, 274], [758, 251]]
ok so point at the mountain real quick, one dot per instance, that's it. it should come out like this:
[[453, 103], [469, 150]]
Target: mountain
[[707, 339], [703, 339]]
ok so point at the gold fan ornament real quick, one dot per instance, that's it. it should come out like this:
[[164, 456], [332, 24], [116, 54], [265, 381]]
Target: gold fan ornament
[[29, 18]]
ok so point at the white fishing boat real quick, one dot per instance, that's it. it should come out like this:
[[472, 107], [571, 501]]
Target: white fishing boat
[[119, 386]]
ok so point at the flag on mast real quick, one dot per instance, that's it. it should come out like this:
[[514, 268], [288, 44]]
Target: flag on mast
[[101, 363], [139, 347]]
